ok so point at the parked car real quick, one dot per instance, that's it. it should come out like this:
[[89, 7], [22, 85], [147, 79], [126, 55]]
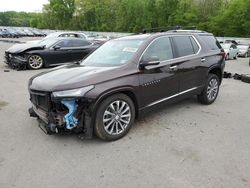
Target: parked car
[[1, 34], [244, 50], [50, 52], [5, 33], [67, 34], [21, 32], [231, 41], [12, 33], [101, 39], [231, 50], [125, 77]]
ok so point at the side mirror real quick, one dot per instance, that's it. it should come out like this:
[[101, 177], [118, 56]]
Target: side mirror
[[149, 62], [56, 47]]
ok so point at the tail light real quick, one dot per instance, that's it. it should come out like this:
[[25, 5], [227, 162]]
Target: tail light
[[222, 53]]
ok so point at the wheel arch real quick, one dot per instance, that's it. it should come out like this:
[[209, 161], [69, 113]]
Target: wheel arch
[[128, 91], [29, 53], [217, 71]]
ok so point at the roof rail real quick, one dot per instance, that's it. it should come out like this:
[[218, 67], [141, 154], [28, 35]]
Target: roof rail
[[170, 28]]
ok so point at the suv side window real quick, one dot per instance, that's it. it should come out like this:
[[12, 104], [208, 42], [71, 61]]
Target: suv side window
[[211, 41], [183, 45], [159, 49]]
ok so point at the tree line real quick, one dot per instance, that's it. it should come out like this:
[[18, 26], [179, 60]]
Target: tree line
[[221, 17]]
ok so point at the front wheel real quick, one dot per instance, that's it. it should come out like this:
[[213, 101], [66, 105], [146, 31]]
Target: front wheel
[[210, 91], [114, 117], [35, 61]]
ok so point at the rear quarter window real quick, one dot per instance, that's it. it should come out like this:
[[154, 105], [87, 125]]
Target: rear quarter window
[[211, 42], [185, 45]]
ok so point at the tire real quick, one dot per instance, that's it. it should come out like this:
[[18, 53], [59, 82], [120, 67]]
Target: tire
[[246, 55], [227, 57], [109, 124], [210, 91], [236, 55], [245, 78], [35, 62]]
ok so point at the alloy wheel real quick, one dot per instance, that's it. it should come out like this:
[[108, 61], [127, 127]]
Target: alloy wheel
[[212, 89], [116, 117], [35, 62]]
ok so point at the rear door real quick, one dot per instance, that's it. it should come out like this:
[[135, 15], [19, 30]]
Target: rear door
[[189, 63], [80, 49], [158, 82]]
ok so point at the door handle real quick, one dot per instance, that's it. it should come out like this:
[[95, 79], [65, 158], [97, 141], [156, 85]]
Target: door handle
[[174, 67], [203, 59]]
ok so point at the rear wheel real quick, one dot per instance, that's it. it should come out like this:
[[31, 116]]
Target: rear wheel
[[35, 61], [210, 91], [114, 117]]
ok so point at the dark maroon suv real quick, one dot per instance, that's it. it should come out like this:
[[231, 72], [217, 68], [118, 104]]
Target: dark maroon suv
[[124, 78]]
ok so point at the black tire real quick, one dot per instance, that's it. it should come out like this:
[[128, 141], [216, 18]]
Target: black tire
[[245, 78], [209, 94], [35, 61], [102, 131]]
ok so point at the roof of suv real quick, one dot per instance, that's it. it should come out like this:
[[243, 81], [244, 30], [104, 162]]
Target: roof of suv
[[170, 32]]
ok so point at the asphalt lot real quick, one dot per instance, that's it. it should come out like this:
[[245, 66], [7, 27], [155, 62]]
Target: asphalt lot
[[183, 145]]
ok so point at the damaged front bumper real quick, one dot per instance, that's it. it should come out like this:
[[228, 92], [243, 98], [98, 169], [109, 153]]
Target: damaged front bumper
[[15, 61], [64, 115]]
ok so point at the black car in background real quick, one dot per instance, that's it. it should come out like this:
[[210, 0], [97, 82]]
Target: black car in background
[[48, 52]]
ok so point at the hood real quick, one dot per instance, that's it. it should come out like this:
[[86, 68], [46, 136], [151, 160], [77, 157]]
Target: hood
[[72, 77], [242, 51], [18, 48]]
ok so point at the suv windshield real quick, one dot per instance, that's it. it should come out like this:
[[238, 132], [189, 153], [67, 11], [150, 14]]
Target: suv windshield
[[113, 53]]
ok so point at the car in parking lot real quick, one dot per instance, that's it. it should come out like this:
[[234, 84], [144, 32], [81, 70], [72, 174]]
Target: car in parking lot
[[231, 50], [124, 78], [67, 34], [244, 50], [50, 52]]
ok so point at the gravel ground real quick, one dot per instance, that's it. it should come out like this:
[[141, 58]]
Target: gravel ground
[[182, 145]]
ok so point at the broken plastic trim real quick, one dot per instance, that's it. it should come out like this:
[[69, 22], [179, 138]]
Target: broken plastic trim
[[70, 120]]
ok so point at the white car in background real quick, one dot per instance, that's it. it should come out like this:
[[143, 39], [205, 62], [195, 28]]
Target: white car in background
[[231, 50], [244, 50]]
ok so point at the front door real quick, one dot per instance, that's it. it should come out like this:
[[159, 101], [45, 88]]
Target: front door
[[158, 82]]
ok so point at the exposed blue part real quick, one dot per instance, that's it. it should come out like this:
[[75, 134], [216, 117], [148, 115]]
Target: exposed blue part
[[69, 118]]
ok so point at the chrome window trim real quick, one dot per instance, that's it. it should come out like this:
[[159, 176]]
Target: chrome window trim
[[177, 58]]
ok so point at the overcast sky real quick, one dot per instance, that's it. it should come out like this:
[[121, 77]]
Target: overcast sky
[[22, 5]]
